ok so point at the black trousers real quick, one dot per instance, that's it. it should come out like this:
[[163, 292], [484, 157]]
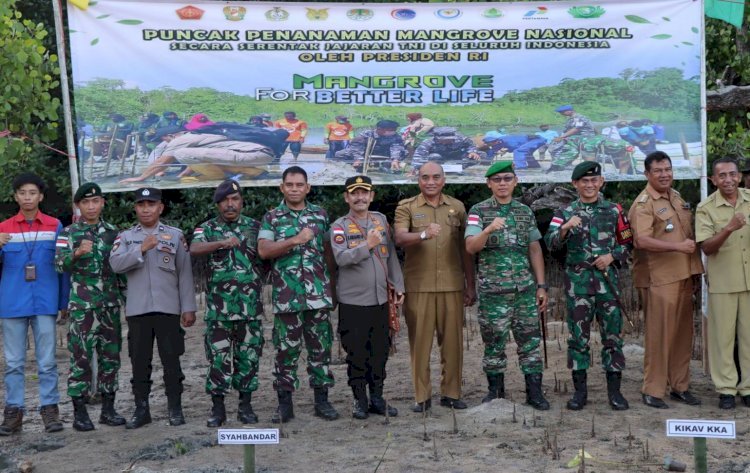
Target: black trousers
[[364, 336], [170, 340]]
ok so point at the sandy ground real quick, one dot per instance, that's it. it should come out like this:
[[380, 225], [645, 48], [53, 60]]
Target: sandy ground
[[501, 436]]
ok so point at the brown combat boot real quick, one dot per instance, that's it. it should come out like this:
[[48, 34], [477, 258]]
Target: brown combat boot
[[12, 420], [51, 418]]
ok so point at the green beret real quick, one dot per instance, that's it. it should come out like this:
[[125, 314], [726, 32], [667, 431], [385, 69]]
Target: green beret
[[500, 166], [89, 189], [586, 168]]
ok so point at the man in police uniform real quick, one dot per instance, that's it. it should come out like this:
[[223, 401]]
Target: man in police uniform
[[161, 296], [588, 229], [295, 236], [366, 256], [439, 279], [95, 297], [666, 267], [512, 287], [234, 328], [722, 231]]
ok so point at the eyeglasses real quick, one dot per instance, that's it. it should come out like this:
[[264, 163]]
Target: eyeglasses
[[499, 179]]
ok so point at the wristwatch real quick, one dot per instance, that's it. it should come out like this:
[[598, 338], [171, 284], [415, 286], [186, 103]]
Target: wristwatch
[[423, 235], [544, 286]]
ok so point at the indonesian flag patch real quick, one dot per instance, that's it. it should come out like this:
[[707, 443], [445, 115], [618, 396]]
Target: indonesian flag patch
[[556, 222], [62, 241], [473, 219], [198, 231]]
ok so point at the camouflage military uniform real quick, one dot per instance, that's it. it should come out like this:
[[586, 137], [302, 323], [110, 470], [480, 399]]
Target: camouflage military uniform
[[234, 329], [507, 288], [566, 151], [391, 146], [456, 150], [302, 296], [95, 299], [588, 293]]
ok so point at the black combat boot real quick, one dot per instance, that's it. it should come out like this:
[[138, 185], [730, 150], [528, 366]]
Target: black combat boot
[[12, 421], [323, 408], [581, 394], [174, 409], [81, 420], [359, 411], [109, 415], [141, 415], [285, 412], [378, 404], [534, 395], [616, 400], [245, 412], [495, 387], [218, 412]]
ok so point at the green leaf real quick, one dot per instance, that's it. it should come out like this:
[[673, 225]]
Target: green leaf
[[94, 41], [636, 19], [665, 18], [661, 36], [687, 43], [101, 17], [22, 56], [694, 29], [130, 22]]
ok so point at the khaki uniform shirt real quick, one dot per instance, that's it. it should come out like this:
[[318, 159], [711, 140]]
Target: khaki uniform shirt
[[434, 265], [651, 215], [161, 280], [729, 268]]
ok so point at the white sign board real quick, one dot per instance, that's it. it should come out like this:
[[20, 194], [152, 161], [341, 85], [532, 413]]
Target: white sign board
[[716, 429], [248, 436]]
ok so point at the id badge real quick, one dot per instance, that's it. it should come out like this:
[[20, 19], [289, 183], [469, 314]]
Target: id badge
[[29, 272]]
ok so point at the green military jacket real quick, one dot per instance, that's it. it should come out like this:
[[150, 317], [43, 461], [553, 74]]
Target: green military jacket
[[92, 282], [299, 278], [596, 236], [504, 265], [236, 275]]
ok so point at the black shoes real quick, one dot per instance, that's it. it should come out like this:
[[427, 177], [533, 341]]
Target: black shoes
[[218, 412], [245, 413], [686, 397], [323, 408], [534, 396], [174, 410], [726, 401], [654, 402], [423, 406], [446, 401], [359, 411], [109, 415], [285, 412], [141, 415], [580, 396], [495, 387], [81, 420], [616, 400]]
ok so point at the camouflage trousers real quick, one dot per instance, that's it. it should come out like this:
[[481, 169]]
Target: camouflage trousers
[[233, 350], [97, 329], [582, 309], [566, 151], [498, 315], [289, 330]]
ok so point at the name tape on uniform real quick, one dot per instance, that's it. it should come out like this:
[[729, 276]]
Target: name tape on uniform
[[716, 429], [248, 436]]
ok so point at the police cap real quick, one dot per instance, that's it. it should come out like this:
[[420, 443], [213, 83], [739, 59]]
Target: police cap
[[358, 182], [148, 193]]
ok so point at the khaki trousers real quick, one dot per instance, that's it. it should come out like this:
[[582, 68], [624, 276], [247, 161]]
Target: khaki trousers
[[668, 343], [426, 312], [729, 316]]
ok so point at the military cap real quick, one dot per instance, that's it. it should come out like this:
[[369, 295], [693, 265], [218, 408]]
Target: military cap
[[387, 124], [228, 187], [164, 131], [443, 131], [586, 168], [148, 193], [341, 117], [500, 166], [564, 108], [358, 182], [89, 189]]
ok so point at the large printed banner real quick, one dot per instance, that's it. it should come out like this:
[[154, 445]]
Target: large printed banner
[[184, 94]]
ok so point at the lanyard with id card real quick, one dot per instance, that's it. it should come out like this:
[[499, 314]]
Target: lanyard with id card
[[29, 269]]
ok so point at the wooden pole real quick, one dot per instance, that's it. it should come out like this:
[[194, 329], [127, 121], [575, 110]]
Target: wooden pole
[[250, 458]]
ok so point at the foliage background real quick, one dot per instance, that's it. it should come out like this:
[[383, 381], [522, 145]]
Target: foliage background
[[30, 107]]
